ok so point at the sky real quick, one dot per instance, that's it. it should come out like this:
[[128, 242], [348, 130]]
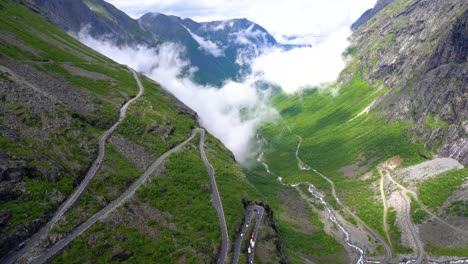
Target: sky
[[279, 17]]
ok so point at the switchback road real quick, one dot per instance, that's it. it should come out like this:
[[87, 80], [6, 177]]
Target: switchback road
[[251, 212], [216, 201], [410, 224], [84, 183], [55, 249], [58, 247]]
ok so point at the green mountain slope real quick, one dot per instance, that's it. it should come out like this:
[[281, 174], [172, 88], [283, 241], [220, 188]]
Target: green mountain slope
[[57, 99], [395, 106]]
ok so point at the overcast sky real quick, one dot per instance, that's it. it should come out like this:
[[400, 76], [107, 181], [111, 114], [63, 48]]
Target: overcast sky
[[279, 17]]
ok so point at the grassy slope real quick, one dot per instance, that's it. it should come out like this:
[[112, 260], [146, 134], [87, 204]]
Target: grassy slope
[[319, 245], [155, 108], [434, 192], [183, 194], [331, 141]]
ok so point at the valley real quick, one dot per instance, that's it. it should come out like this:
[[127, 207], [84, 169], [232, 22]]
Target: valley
[[99, 163]]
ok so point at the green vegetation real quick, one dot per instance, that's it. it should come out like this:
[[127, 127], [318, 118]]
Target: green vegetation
[[157, 121], [154, 121], [335, 136], [5, 76], [315, 244], [434, 192], [435, 122], [395, 234], [459, 252], [459, 208], [417, 213], [232, 184], [98, 9], [295, 241], [185, 227], [351, 51]]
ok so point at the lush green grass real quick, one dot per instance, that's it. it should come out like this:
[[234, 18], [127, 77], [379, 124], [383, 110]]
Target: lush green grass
[[37, 203], [73, 144], [417, 213], [459, 252], [315, 244], [333, 138], [459, 208], [434, 192], [395, 234], [232, 184], [154, 122], [183, 194]]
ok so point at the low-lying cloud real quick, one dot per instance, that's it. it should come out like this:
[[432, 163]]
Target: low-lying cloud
[[235, 111], [232, 113], [308, 67], [207, 45]]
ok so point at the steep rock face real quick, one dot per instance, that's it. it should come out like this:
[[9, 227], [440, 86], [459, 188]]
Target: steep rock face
[[381, 4], [220, 50], [101, 19], [212, 68], [241, 39], [418, 49]]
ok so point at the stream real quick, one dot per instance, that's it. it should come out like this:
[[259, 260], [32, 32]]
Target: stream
[[312, 190], [332, 218]]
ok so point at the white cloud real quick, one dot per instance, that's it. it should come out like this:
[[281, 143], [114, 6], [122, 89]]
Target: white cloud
[[207, 45], [277, 16], [301, 68], [232, 113]]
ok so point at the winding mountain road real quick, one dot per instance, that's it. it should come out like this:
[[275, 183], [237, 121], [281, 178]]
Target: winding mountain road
[[412, 229], [58, 247], [415, 195], [385, 207], [238, 244], [84, 183], [216, 201], [257, 212], [55, 249]]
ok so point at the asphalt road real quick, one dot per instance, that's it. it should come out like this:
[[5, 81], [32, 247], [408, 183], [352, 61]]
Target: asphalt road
[[245, 227], [377, 237], [415, 195], [59, 246], [258, 210], [410, 224], [55, 249], [79, 190], [216, 201]]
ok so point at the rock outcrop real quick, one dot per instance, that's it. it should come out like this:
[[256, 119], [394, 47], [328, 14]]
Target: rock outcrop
[[418, 49], [381, 4]]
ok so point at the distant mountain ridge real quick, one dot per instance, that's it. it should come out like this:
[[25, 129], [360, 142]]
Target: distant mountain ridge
[[381, 4], [220, 50]]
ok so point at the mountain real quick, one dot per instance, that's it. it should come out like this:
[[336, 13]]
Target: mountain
[[382, 154], [381, 4], [423, 61], [220, 50], [371, 168], [99, 17], [78, 137]]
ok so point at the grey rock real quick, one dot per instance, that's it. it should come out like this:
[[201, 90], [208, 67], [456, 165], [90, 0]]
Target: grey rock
[[381, 4], [11, 190], [4, 217], [418, 49], [12, 174]]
